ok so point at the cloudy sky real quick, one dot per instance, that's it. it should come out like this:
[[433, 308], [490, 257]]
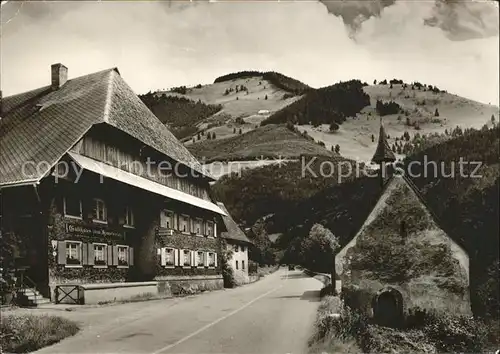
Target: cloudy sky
[[158, 45]]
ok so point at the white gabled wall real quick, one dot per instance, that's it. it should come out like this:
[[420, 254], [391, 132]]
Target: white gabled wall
[[239, 256]]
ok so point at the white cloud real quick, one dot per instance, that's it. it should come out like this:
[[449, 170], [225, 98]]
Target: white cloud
[[158, 45]]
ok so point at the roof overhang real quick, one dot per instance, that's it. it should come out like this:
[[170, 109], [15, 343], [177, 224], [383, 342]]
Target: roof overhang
[[20, 183], [120, 175]]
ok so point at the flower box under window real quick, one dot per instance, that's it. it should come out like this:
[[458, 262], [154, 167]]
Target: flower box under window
[[73, 261]]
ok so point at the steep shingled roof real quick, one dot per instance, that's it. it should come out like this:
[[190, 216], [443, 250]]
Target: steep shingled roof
[[41, 125], [233, 231]]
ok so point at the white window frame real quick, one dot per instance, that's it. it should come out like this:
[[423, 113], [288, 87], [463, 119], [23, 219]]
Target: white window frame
[[66, 215], [129, 223], [104, 210], [188, 255], [188, 225], [213, 255], [202, 260], [79, 250], [170, 214], [126, 254], [173, 257], [200, 221], [105, 253], [211, 223]]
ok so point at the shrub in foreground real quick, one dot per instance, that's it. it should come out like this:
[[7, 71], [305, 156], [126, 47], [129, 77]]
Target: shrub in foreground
[[456, 333], [336, 333], [27, 333]]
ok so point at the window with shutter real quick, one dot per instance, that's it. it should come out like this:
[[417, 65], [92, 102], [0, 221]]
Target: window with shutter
[[210, 229], [200, 259], [100, 254], [197, 227], [73, 254], [122, 256], [169, 257], [211, 259], [167, 219], [186, 258]]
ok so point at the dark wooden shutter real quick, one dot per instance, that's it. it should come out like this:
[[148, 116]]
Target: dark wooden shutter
[[110, 255], [90, 254], [84, 253], [61, 252], [131, 256], [115, 255]]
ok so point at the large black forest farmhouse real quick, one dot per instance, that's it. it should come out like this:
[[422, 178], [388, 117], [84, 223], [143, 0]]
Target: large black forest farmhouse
[[104, 199]]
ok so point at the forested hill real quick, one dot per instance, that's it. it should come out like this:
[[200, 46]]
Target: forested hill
[[179, 113], [279, 80], [331, 104]]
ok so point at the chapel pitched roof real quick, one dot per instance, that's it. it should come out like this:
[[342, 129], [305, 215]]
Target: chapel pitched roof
[[383, 153], [41, 125], [403, 181]]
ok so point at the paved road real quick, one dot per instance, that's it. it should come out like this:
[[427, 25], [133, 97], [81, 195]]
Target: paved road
[[273, 315]]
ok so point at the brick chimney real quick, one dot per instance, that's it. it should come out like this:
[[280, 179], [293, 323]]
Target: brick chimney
[[59, 75]]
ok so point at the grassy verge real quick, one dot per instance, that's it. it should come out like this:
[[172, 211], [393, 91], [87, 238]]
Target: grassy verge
[[423, 332], [27, 333], [332, 334], [137, 298]]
